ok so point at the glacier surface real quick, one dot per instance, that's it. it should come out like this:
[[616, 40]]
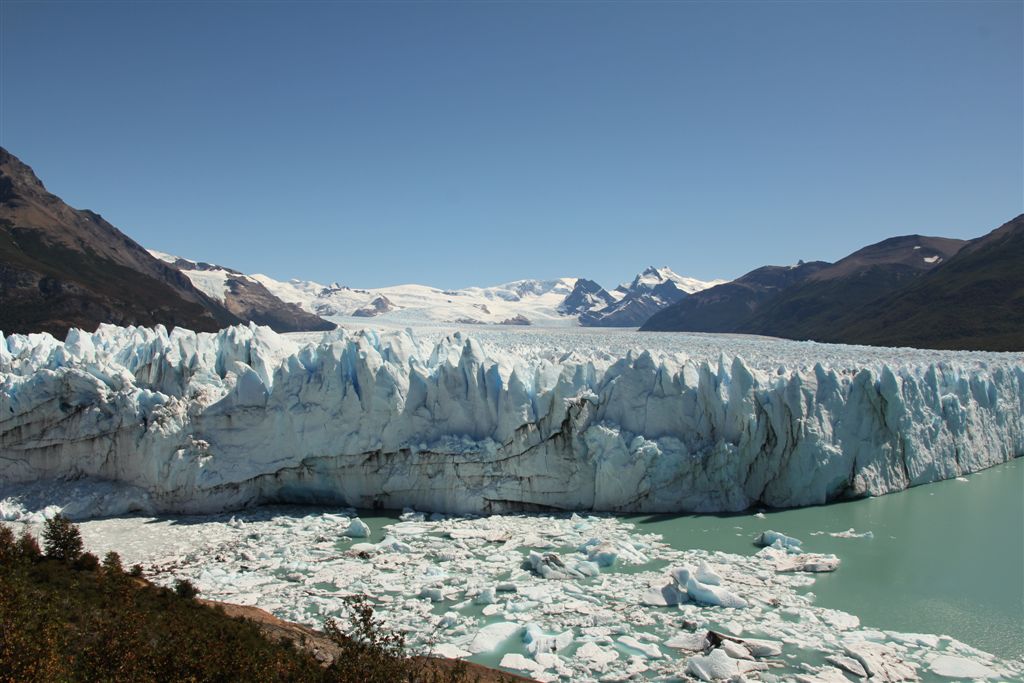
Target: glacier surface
[[187, 422]]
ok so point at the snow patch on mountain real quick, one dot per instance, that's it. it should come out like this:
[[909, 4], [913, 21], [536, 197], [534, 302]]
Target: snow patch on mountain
[[652, 277], [211, 280]]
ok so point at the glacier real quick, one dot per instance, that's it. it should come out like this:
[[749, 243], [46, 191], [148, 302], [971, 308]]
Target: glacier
[[190, 422]]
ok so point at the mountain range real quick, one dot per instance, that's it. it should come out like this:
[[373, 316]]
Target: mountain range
[[62, 267], [929, 292], [560, 302]]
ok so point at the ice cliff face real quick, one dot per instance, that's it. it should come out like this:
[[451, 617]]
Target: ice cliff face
[[191, 422]]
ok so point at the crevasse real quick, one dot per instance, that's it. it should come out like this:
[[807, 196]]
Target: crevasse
[[186, 422]]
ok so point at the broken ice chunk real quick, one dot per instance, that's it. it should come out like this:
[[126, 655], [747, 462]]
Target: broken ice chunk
[[950, 666], [357, 528], [484, 597], [666, 595], [881, 662], [713, 595], [848, 664], [650, 650], [604, 554], [705, 574], [538, 642], [550, 566], [689, 642], [596, 656], [432, 593], [393, 545], [769, 538], [807, 563], [715, 666], [851, 533], [491, 636]]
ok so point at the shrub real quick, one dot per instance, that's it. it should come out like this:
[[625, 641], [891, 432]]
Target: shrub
[[28, 546], [112, 563], [8, 545], [370, 652], [61, 539], [87, 562], [136, 571], [184, 588]]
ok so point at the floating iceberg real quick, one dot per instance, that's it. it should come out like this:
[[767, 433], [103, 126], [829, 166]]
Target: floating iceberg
[[190, 422]]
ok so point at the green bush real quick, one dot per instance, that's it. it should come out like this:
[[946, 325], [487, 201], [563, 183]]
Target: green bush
[[369, 651], [112, 563], [87, 562], [8, 544], [184, 588], [28, 546], [61, 539]]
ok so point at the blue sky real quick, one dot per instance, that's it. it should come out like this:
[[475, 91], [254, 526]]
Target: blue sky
[[474, 143]]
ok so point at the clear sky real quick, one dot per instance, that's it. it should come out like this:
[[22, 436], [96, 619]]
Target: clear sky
[[461, 144]]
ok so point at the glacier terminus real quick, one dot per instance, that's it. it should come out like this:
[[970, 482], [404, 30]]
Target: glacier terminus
[[186, 422]]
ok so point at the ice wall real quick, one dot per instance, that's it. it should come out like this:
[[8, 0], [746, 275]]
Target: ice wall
[[188, 422]]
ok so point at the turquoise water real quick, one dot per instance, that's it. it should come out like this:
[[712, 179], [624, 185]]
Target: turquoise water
[[946, 558]]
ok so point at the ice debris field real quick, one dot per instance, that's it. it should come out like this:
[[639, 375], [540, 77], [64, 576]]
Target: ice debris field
[[555, 597], [194, 423]]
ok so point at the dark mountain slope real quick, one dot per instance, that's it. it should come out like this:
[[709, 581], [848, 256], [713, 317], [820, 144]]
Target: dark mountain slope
[[975, 300], [248, 299], [61, 267], [810, 309], [727, 307]]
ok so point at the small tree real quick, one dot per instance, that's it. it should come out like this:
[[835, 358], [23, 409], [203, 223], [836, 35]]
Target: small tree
[[61, 539], [370, 652], [112, 563], [136, 571], [8, 545], [28, 546]]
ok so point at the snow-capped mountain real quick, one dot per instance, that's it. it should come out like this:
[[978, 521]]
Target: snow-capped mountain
[[651, 291], [244, 296], [535, 301], [586, 296], [562, 302], [653, 278]]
